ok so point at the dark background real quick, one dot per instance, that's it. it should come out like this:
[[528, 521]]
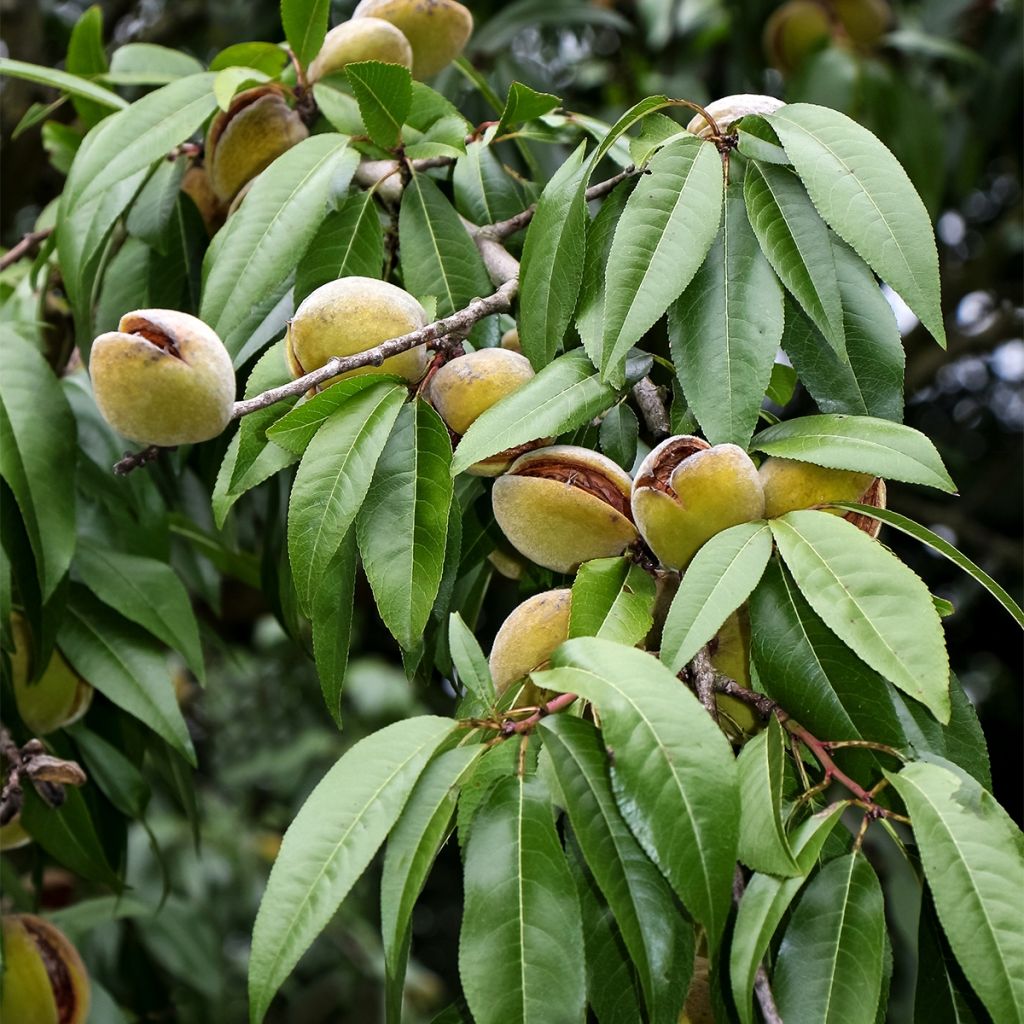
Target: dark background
[[943, 90]]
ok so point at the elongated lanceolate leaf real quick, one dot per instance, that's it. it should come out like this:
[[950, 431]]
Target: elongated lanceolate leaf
[[403, 522], [329, 843], [865, 196], [659, 939], [870, 600], [333, 479], [717, 581], [613, 599], [56, 79], [973, 857], [673, 775], [669, 222], [331, 619], [725, 330], [305, 25], [521, 946], [469, 661]]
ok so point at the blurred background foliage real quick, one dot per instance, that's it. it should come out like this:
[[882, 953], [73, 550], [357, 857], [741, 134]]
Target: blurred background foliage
[[938, 81]]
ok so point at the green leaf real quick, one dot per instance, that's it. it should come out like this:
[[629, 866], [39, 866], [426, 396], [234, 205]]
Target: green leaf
[[333, 479], [972, 854], [148, 63], [56, 79], [305, 25], [564, 395], [411, 848], [829, 967], [470, 663], [231, 81], [765, 903], [796, 242], [612, 598], [331, 619], [658, 937], [329, 844], [723, 354], [943, 547], [125, 665], [249, 267], [673, 774], [266, 57], [552, 267], [438, 256], [404, 521], [861, 443], [669, 222], [718, 580], [764, 845], [349, 243], [524, 104], [86, 57], [871, 383], [384, 95], [521, 945], [619, 433], [865, 196], [32, 447], [119, 779], [434, 126], [484, 191], [870, 600], [942, 992], [147, 592]]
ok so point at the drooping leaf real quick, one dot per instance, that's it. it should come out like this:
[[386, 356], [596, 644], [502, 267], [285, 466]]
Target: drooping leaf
[[564, 395], [865, 196], [484, 191], [333, 479], [402, 525], [829, 967], [668, 224], [151, 64], [942, 991], [861, 443], [658, 937], [870, 600], [673, 775], [305, 25], [86, 57], [469, 662], [384, 95], [524, 104], [331, 619], [725, 330], [57, 79], [521, 945], [796, 242], [717, 581], [552, 266], [329, 843], [972, 854], [612, 598]]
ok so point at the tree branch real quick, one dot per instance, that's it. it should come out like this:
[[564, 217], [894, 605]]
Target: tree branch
[[562, 701], [26, 247]]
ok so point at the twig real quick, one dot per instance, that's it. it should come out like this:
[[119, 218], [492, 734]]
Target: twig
[[652, 408], [49, 775], [562, 701], [133, 460], [703, 674], [25, 247]]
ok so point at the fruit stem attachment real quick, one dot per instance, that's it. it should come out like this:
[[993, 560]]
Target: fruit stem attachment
[[562, 701], [49, 775]]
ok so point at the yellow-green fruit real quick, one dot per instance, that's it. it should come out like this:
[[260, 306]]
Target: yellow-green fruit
[[510, 340], [351, 315], [44, 979], [527, 638], [57, 698], [730, 654], [13, 835], [465, 387], [687, 491], [729, 109], [865, 21], [163, 378], [437, 30], [196, 185], [358, 40], [698, 998], [790, 485], [563, 505], [249, 136], [795, 30]]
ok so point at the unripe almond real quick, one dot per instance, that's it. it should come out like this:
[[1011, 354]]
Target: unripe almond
[[351, 315], [795, 30], [44, 979], [510, 340], [163, 378], [529, 636], [561, 506], [865, 21], [437, 30], [359, 40], [687, 491], [250, 135], [730, 109]]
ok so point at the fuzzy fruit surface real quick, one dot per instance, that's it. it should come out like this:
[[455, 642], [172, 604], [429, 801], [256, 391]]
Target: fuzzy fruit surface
[[359, 40], [687, 491], [563, 505], [437, 30], [352, 315], [794, 31], [57, 698], [248, 137], [790, 485], [529, 636], [163, 378], [865, 21], [729, 109], [44, 979]]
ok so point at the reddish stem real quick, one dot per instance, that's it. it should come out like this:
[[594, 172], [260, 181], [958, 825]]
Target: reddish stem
[[562, 701]]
